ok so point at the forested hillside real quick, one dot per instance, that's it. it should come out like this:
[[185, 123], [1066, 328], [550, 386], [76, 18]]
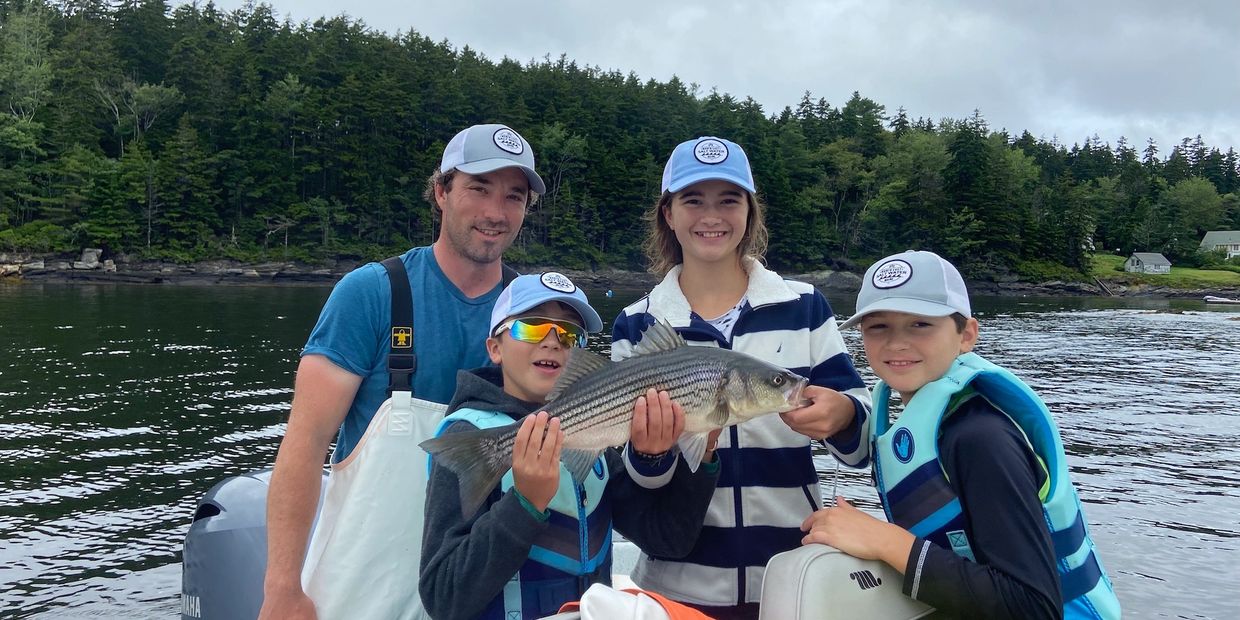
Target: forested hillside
[[188, 133]]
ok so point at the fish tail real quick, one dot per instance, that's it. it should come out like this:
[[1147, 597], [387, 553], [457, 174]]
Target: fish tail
[[479, 458]]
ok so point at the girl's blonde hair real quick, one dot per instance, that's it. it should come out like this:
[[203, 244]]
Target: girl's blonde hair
[[663, 249]]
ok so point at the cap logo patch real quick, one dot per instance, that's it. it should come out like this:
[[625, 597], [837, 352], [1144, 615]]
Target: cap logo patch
[[891, 274], [558, 282], [508, 140], [710, 151]]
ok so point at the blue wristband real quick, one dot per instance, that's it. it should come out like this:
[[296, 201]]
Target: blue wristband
[[541, 515]]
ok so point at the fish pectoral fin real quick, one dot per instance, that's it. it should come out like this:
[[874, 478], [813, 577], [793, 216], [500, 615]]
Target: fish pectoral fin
[[580, 363], [692, 448], [720, 414], [579, 462]]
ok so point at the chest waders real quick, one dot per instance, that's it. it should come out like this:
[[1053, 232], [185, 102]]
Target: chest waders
[[365, 553]]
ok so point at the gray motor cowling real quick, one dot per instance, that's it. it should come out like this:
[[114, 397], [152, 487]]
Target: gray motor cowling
[[225, 553]]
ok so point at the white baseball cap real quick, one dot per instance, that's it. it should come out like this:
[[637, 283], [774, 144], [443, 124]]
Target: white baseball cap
[[486, 148], [915, 282]]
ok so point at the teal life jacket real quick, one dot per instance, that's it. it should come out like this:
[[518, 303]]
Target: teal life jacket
[[917, 496], [571, 554]]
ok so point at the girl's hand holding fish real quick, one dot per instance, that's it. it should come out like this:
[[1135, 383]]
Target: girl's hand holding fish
[[826, 413], [536, 459], [657, 423]]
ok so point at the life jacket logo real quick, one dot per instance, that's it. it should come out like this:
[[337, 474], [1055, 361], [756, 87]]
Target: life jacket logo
[[902, 445], [865, 579], [508, 140], [711, 151], [402, 337], [891, 274]]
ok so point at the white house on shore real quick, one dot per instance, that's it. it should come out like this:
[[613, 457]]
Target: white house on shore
[[1225, 240], [1147, 262]]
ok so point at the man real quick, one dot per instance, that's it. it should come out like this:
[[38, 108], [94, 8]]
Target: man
[[482, 188]]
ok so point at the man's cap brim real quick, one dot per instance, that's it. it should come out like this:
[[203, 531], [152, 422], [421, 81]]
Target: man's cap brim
[[499, 163]]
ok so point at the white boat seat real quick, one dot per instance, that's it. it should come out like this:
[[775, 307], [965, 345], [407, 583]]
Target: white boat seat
[[818, 582]]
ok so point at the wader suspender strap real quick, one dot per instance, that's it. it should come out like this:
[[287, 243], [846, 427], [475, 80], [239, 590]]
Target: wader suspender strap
[[510, 274], [402, 363]]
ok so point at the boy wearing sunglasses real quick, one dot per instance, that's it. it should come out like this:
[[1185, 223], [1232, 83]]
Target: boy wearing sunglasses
[[541, 539]]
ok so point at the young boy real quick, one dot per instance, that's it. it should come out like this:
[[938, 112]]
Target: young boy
[[984, 520], [540, 539]]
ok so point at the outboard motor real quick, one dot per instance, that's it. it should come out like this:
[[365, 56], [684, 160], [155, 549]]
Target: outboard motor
[[225, 555]]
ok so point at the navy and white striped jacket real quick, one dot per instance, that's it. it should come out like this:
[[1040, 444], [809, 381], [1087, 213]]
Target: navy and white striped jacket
[[768, 484]]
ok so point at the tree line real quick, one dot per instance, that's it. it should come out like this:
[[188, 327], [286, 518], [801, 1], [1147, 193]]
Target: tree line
[[190, 133]]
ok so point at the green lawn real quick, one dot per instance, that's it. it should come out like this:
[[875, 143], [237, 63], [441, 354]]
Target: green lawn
[[1104, 267]]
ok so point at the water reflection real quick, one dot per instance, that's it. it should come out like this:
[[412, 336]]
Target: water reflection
[[120, 406]]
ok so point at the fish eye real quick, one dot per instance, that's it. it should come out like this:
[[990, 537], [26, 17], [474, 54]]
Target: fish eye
[[778, 380]]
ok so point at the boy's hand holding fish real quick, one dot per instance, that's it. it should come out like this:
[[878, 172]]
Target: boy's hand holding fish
[[536, 459], [657, 424]]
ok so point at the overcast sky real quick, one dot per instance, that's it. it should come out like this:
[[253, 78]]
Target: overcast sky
[[1062, 69]]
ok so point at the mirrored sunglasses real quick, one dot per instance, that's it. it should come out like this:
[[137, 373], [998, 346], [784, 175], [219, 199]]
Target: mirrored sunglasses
[[533, 329]]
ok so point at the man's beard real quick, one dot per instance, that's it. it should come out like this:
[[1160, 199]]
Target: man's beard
[[471, 248]]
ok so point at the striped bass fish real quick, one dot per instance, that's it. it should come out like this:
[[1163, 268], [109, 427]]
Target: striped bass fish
[[594, 398]]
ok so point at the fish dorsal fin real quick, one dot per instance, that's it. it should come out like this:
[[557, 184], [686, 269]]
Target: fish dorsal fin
[[659, 337], [580, 363]]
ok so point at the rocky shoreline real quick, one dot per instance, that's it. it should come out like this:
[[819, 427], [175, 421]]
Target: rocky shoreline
[[89, 268]]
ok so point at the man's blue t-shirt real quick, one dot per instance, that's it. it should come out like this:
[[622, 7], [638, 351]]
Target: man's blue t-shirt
[[354, 329]]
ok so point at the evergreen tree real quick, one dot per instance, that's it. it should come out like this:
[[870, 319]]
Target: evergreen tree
[[142, 39], [188, 219], [900, 124], [862, 120], [83, 57], [1150, 154]]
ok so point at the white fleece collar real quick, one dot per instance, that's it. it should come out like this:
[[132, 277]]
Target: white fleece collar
[[668, 303]]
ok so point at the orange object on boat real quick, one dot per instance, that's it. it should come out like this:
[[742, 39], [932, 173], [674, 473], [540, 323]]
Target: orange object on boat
[[614, 604]]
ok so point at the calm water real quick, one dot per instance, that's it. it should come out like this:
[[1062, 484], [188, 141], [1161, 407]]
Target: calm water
[[121, 405]]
